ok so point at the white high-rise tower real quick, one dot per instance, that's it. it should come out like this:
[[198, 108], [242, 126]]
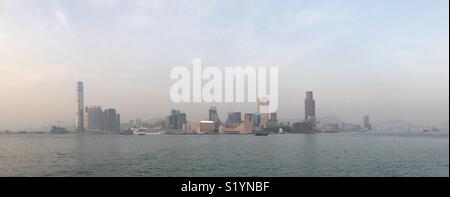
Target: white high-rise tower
[[79, 111]]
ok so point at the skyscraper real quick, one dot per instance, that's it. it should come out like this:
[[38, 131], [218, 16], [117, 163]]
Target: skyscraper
[[263, 104], [249, 117], [212, 113], [310, 109], [235, 117], [176, 120], [117, 123], [138, 122], [214, 116], [181, 120], [79, 110], [366, 123], [273, 121], [94, 118], [111, 120]]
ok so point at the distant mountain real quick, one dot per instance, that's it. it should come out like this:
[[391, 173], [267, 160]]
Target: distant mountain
[[330, 120]]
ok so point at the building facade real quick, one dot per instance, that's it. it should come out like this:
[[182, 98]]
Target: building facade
[[79, 107], [366, 123], [93, 118], [310, 109], [176, 120], [111, 120], [214, 116]]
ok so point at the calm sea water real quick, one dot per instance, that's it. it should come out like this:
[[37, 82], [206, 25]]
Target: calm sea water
[[344, 154]]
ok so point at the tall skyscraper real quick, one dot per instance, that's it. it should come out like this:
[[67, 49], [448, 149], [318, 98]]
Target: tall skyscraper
[[366, 123], [310, 109], [79, 111]]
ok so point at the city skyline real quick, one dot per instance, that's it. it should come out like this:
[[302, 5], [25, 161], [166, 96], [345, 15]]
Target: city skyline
[[92, 118], [386, 59]]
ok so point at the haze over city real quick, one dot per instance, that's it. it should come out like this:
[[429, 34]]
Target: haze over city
[[385, 58]]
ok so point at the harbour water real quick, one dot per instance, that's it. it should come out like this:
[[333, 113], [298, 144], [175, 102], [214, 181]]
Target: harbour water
[[341, 154]]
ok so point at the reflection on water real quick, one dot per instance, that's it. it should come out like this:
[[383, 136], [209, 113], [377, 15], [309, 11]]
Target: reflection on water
[[311, 154], [347, 154]]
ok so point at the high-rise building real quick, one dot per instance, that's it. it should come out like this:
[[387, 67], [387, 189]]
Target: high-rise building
[[257, 120], [111, 120], [310, 109], [366, 123], [79, 110], [214, 116], [249, 117], [273, 121], [93, 118], [138, 122], [263, 105], [235, 117], [131, 123], [176, 120], [117, 123], [181, 120]]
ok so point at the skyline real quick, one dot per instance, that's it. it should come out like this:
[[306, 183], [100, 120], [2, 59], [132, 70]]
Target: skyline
[[386, 59]]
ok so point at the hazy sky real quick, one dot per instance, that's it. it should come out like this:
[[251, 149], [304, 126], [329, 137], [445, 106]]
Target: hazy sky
[[386, 58]]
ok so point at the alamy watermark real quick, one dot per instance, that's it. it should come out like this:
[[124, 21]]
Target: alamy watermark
[[233, 85]]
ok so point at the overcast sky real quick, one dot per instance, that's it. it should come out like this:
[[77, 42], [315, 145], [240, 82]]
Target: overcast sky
[[385, 58]]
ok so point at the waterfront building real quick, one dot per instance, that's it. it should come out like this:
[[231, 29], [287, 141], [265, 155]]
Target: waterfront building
[[214, 116], [273, 121], [138, 122], [176, 120], [111, 120], [93, 118], [79, 107], [131, 124], [257, 120], [203, 127], [239, 128], [249, 117], [235, 117], [310, 109], [366, 123], [263, 104], [302, 127]]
